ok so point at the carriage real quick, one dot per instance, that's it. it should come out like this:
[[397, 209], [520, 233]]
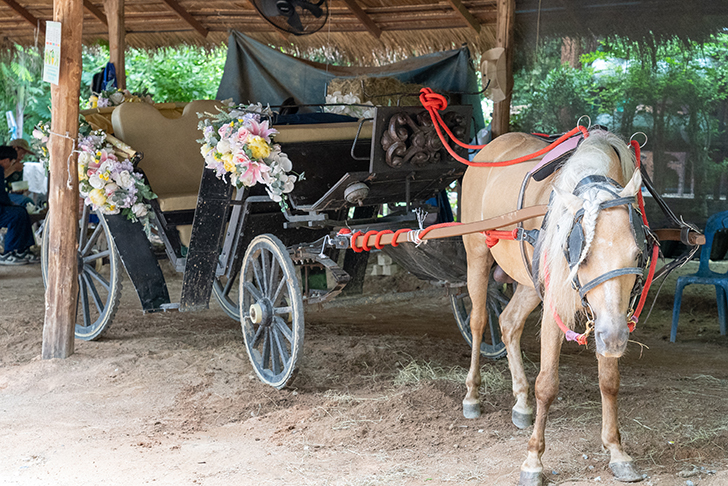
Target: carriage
[[361, 175]]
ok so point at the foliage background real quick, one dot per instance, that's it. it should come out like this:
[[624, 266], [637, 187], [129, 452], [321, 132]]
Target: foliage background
[[673, 91]]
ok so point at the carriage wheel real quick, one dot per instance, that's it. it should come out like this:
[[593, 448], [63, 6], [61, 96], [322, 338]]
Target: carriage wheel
[[226, 291], [99, 276], [271, 310], [498, 297]]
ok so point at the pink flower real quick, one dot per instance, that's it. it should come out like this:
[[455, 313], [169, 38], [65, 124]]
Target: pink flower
[[255, 172], [262, 130], [242, 136], [226, 130]]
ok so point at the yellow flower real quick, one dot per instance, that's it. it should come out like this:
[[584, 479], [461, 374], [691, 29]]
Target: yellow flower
[[259, 148], [82, 176], [227, 160], [97, 197], [94, 101], [104, 177]]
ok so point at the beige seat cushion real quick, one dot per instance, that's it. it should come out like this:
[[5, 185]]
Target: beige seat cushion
[[172, 159]]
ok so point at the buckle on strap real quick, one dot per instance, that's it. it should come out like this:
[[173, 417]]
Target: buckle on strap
[[608, 276], [529, 236]]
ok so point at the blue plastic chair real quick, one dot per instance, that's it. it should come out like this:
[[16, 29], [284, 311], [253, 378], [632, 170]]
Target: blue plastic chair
[[706, 276]]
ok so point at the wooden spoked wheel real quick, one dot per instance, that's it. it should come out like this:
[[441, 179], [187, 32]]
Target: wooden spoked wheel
[[271, 310], [99, 275], [226, 291], [498, 297]]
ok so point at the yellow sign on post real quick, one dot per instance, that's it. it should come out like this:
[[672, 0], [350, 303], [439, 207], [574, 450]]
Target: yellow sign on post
[[52, 56]]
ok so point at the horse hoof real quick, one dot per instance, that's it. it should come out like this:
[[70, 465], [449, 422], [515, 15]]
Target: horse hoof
[[530, 479], [522, 420], [471, 410], [625, 472]]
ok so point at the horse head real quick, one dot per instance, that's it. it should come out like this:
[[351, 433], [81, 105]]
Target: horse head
[[604, 252]]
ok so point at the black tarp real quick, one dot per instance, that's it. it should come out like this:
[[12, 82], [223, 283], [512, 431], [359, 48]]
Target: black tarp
[[256, 73]]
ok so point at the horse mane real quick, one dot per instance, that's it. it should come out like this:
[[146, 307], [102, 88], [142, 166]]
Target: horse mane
[[595, 156]]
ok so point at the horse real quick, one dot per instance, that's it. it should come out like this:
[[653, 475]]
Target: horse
[[593, 189]]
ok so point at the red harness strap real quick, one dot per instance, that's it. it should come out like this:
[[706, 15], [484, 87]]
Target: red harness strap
[[434, 102], [492, 237]]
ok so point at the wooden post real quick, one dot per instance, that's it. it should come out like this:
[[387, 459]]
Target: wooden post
[[62, 287], [504, 31], [117, 38]]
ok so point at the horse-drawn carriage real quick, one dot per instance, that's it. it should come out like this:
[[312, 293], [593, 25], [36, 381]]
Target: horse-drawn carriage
[[218, 237]]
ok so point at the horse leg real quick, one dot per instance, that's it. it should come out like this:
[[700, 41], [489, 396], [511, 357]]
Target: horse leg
[[620, 463], [546, 388], [524, 300], [479, 262]]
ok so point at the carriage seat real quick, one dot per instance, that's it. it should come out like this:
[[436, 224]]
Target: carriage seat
[[172, 161]]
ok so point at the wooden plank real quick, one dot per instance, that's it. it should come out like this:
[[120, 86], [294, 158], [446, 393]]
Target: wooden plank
[[466, 15], [117, 39], [26, 15], [95, 11], [187, 17], [504, 38], [365, 19], [62, 284]]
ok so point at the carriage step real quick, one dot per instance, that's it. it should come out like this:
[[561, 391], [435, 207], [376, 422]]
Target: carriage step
[[170, 307]]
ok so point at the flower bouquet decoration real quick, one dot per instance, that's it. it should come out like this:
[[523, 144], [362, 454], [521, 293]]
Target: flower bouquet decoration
[[237, 143], [111, 185]]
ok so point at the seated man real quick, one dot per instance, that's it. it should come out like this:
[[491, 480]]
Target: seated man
[[19, 237], [22, 147]]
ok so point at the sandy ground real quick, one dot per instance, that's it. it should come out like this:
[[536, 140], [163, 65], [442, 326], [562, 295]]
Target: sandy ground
[[171, 399]]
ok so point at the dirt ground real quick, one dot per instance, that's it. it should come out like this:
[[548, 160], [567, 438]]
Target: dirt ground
[[171, 399]]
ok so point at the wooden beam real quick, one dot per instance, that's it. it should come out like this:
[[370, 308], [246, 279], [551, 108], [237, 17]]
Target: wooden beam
[[504, 38], [117, 39], [187, 17], [466, 15], [365, 19], [95, 11], [35, 22], [62, 285]]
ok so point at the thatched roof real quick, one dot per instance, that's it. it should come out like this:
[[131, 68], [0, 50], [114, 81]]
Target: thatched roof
[[407, 26]]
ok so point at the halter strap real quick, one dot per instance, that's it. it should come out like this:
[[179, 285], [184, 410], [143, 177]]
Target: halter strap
[[608, 276]]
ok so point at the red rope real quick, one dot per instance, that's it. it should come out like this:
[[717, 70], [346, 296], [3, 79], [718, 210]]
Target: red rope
[[357, 249], [364, 245], [570, 334], [396, 234], [379, 237], [492, 237], [434, 102]]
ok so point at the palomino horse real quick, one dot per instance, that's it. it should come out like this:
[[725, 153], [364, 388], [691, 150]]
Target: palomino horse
[[609, 250]]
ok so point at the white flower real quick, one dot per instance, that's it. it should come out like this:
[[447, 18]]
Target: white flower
[[117, 97], [275, 197], [106, 166], [124, 179], [96, 182], [85, 158], [284, 162], [288, 184], [139, 210], [223, 146]]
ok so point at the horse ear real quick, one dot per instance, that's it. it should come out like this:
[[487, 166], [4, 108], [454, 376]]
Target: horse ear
[[572, 202], [633, 186]]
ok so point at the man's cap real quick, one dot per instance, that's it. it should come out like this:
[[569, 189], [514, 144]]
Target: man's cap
[[21, 143]]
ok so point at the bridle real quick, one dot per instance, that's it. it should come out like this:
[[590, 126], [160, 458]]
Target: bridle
[[576, 240]]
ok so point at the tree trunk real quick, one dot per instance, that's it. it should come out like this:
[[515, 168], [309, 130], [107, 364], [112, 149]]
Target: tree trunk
[[505, 28], [62, 286]]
